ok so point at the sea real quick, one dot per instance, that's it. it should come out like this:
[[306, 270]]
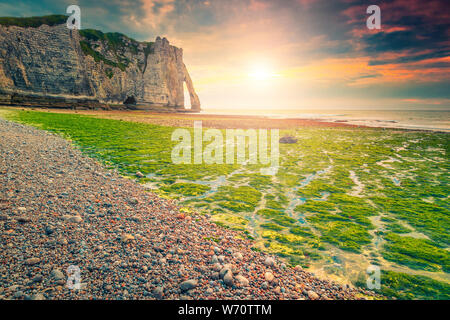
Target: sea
[[434, 120]]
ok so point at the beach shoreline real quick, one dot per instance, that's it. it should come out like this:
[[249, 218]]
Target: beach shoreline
[[128, 243], [126, 143], [225, 121]]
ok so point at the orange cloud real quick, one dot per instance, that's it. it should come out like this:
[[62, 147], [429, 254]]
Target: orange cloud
[[155, 11]]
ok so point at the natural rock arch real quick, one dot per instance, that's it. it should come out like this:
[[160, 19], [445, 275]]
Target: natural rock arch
[[195, 101]]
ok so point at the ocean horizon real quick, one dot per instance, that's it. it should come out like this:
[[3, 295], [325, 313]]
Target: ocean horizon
[[435, 120]]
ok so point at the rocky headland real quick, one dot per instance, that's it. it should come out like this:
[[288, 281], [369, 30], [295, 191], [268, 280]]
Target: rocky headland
[[43, 63]]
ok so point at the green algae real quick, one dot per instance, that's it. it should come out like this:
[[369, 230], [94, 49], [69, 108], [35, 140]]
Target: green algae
[[186, 189], [313, 204], [416, 253], [408, 287]]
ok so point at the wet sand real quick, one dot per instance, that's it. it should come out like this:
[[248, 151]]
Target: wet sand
[[208, 120]]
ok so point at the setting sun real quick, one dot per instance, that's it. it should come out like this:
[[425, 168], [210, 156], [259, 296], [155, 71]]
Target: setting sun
[[261, 72]]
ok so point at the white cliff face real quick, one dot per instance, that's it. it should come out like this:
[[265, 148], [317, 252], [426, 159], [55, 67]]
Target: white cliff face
[[44, 59], [164, 83], [54, 62]]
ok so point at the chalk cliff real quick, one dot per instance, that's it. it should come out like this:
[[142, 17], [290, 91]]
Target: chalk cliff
[[51, 65]]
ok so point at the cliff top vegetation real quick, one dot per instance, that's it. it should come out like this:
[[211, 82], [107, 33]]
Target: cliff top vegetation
[[33, 22]]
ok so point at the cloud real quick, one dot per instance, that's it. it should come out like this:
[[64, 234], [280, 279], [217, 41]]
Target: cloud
[[322, 48]]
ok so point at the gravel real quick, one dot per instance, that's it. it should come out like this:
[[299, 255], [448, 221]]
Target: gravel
[[59, 208]]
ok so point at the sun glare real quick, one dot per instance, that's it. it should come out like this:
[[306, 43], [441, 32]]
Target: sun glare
[[261, 73]]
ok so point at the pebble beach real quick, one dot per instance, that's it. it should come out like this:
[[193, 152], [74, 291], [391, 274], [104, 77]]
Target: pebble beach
[[59, 208]]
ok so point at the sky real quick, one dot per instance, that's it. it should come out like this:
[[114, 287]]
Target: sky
[[289, 54]]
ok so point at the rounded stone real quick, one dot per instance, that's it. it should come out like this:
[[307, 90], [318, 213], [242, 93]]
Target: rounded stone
[[188, 285], [269, 262], [269, 276], [228, 278]]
